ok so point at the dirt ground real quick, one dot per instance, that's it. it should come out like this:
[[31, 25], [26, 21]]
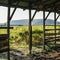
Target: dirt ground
[[54, 55], [51, 55]]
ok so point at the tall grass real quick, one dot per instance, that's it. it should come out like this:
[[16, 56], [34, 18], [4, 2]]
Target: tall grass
[[19, 35]]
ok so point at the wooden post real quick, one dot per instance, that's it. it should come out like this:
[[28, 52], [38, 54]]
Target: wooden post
[[8, 30], [44, 30], [30, 31], [55, 26]]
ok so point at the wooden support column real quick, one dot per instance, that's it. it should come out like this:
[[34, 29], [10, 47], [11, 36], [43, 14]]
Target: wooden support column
[[30, 31], [55, 26], [8, 23], [43, 30], [8, 30], [44, 19]]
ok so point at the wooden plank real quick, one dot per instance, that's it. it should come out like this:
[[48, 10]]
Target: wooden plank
[[49, 40], [3, 37], [49, 25], [48, 34], [4, 41], [52, 40], [52, 25], [52, 37], [6, 27], [51, 29], [30, 31], [3, 50], [3, 45], [44, 30]]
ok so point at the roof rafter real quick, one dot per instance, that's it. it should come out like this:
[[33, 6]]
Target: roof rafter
[[47, 5]]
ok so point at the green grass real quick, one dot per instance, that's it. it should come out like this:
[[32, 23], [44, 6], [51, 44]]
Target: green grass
[[19, 36]]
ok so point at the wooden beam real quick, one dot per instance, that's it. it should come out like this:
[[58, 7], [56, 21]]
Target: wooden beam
[[46, 7], [55, 26], [33, 15], [51, 34], [8, 30], [44, 30], [58, 16], [47, 15], [6, 27], [52, 29], [30, 31], [3, 50], [46, 4], [3, 37], [14, 9]]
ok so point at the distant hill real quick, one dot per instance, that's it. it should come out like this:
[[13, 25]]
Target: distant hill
[[34, 22], [19, 22], [47, 22]]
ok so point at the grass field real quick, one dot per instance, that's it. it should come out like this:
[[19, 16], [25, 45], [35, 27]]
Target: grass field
[[19, 36]]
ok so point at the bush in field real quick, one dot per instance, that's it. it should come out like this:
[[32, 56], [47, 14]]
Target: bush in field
[[36, 37], [24, 37], [37, 32]]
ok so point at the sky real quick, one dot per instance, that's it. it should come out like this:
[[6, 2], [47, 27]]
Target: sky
[[21, 14]]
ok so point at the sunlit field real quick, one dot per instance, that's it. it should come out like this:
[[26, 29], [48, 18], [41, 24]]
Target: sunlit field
[[19, 37]]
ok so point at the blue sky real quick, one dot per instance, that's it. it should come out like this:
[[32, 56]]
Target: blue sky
[[20, 14]]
